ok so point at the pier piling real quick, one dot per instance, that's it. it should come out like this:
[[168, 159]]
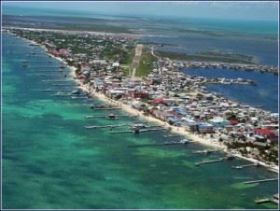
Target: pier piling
[[261, 181]]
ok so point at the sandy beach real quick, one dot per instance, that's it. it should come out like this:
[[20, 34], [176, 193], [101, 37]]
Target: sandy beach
[[178, 130], [174, 129]]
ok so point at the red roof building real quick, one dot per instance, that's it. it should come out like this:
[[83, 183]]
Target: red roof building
[[265, 132], [233, 122], [159, 100]]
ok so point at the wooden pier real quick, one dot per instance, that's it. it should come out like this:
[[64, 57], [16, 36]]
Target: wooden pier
[[43, 71], [57, 80], [44, 90], [228, 157], [108, 116], [274, 199], [61, 94], [261, 181], [80, 97], [205, 152], [181, 142], [104, 108], [63, 84], [209, 161], [171, 136], [44, 74], [104, 126], [261, 201], [42, 67], [139, 131], [246, 165]]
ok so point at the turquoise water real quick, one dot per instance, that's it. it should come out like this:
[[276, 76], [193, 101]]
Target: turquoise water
[[51, 161]]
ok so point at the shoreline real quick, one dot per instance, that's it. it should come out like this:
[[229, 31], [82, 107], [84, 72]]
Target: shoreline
[[174, 129]]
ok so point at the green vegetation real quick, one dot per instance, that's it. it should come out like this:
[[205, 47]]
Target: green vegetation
[[125, 69], [65, 23], [127, 56], [95, 27], [209, 56], [126, 60], [146, 64]]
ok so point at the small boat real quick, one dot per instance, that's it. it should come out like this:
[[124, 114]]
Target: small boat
[[112, 116], [184, 141], [138, 126], [229, 157], [78, 91]]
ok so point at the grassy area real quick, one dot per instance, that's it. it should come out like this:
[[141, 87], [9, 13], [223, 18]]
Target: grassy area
[[64, 23], [127, 57], [95, 27], [125, 69], [146, 64], [126, 60], [209, 57]]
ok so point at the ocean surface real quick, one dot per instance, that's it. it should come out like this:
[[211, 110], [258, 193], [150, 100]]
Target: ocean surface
[[51, 161], [263, 51], [264, 94]]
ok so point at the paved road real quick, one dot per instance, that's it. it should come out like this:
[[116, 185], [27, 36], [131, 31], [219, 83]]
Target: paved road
[[152, 52], [136, 59]]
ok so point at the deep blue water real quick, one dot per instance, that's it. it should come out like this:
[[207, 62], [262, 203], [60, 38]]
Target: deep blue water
[[264, 94]]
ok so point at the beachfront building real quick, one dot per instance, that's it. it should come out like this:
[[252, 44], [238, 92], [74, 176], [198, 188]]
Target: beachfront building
[[167, 93]]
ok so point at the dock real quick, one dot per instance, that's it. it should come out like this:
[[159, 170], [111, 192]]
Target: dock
[[63, 84], [209, 161], [57, 80], [171, 136], [44, 74], [80, 97], [139, 131], [246, 165], [261, 181], [58, 67], [44, 71], [44, 90], [108, 116], [181, 142], [261, 201], [61, 94], [104, 126], [105, 108], [274, 199], [228, 157], [206, 152]]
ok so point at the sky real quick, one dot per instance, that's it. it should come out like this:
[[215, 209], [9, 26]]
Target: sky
[[215, 10]]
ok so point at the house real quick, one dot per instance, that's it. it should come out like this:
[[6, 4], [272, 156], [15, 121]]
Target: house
[[267, 133], [158, 101], [218, 122], [189, 124], [205, 128]]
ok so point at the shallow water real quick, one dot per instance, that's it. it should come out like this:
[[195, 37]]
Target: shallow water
[[51, 161], [264, 51]]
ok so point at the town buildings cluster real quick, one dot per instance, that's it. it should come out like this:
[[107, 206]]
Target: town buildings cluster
[[166, 93]]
